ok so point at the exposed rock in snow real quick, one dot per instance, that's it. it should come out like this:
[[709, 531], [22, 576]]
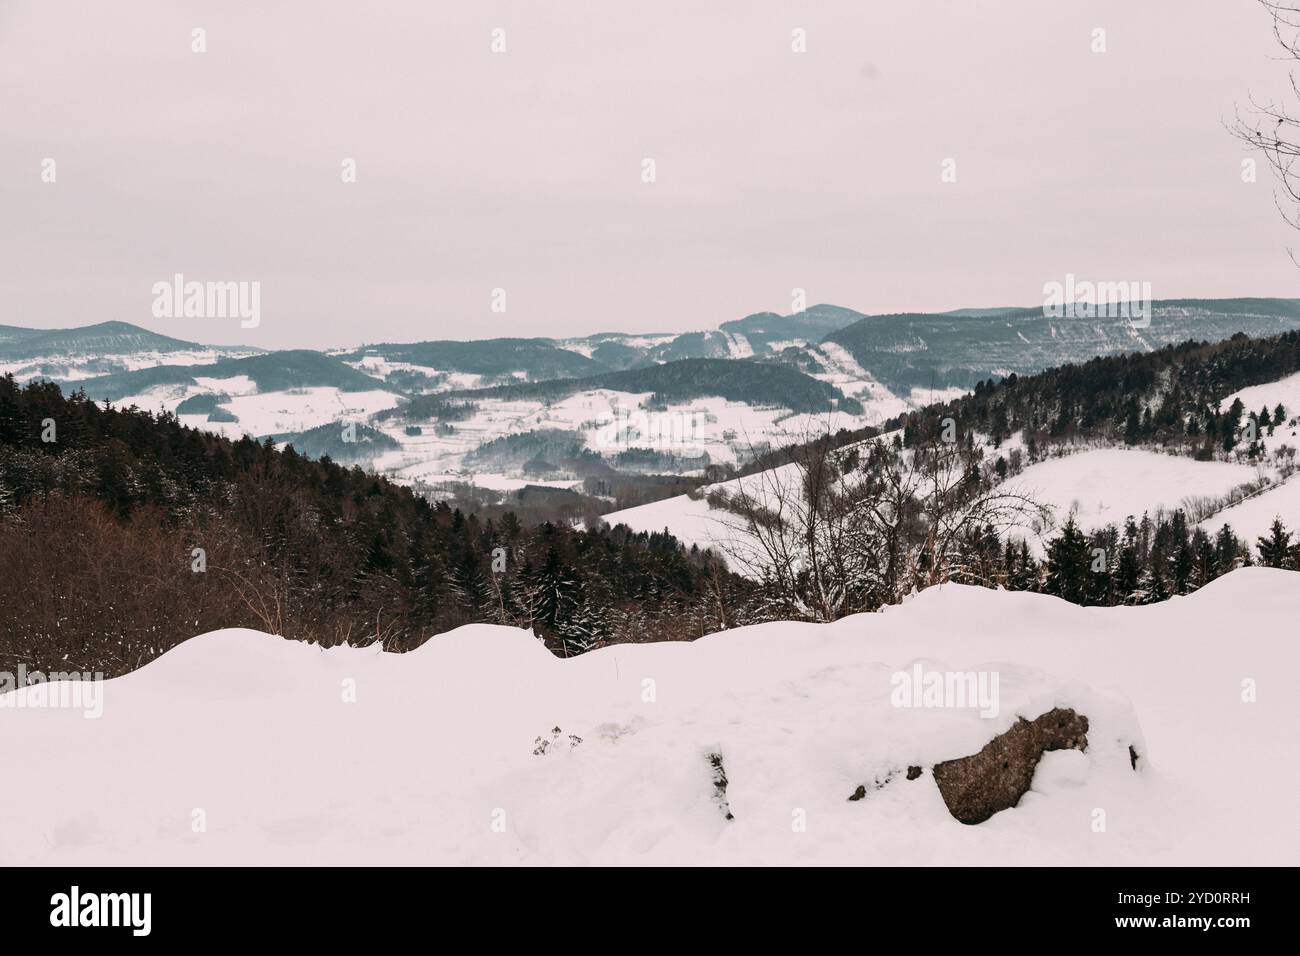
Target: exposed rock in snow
[[976, 787]]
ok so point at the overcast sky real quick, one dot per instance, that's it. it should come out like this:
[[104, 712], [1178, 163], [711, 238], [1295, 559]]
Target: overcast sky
[[522, 170]]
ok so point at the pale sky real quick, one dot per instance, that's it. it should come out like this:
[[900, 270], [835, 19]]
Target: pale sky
[[522, 169]]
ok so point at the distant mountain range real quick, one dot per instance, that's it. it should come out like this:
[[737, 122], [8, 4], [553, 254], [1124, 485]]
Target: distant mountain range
[[682, 397]]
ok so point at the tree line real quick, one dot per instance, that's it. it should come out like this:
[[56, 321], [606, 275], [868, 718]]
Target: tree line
[[123, 533]]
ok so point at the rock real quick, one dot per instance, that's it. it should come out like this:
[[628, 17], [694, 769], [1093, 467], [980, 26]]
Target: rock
[[913, 773], [976, 787]]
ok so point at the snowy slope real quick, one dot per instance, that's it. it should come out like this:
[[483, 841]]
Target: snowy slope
[[1285, 391], [251, 737], [1099, 486], [1105, 485], [693, 521], [1252, 518]]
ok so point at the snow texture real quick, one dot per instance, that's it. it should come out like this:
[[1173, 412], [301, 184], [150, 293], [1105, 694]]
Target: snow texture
[[434, 761]]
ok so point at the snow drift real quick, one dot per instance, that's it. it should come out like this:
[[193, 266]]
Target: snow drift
[[237, 747]]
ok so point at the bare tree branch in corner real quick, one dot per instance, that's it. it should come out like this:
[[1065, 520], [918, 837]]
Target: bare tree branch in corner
[[1273, 127]]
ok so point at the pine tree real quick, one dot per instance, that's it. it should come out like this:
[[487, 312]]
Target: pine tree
[[1067, 564], [1152, 587], [1183, 561], [1128, 572], [1275, 549], [1226, 550], [1025, 576]]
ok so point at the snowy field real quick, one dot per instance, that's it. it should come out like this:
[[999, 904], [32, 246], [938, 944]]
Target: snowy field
[[1105, 485], [608, 422], [265, 413], [240, 748]]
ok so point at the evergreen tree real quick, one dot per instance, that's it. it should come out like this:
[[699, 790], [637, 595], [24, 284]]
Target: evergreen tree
[[1067, 564], [1226, 550], [1275, 548], [1128, 570]]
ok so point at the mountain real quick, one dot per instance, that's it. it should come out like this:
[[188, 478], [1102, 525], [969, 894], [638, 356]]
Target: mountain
[[497, 361], [813, 324], [957, 349], [105, 338], [99, 350]]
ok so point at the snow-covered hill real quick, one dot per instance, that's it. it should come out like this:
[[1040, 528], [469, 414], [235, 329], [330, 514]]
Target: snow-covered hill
[[1253, 517], [241, 748], [1099, 486], [1103, 486]]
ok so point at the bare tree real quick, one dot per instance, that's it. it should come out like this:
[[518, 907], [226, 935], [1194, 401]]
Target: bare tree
[[1273, 127], [838, 530]]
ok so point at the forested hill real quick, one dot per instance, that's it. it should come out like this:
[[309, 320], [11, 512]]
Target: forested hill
[[541, 358], [104, 338], [1171, 397], [756, 383], [274, 371], [122, 534]]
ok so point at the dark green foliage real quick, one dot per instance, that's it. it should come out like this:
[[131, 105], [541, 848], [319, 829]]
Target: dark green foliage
[[1170, 398], [1276, 549], [424, 407], [202, 404], [331, 440]]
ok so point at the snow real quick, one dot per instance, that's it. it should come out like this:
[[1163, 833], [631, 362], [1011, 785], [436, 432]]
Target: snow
[[81, 366], [299, 409], [265, 413], [433, 764], [690, 520], [921, 397], [1106, 485], [738, 346], [1099, 486], [609, 422], [1285, 390], [842, 370], [1252, 518]]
